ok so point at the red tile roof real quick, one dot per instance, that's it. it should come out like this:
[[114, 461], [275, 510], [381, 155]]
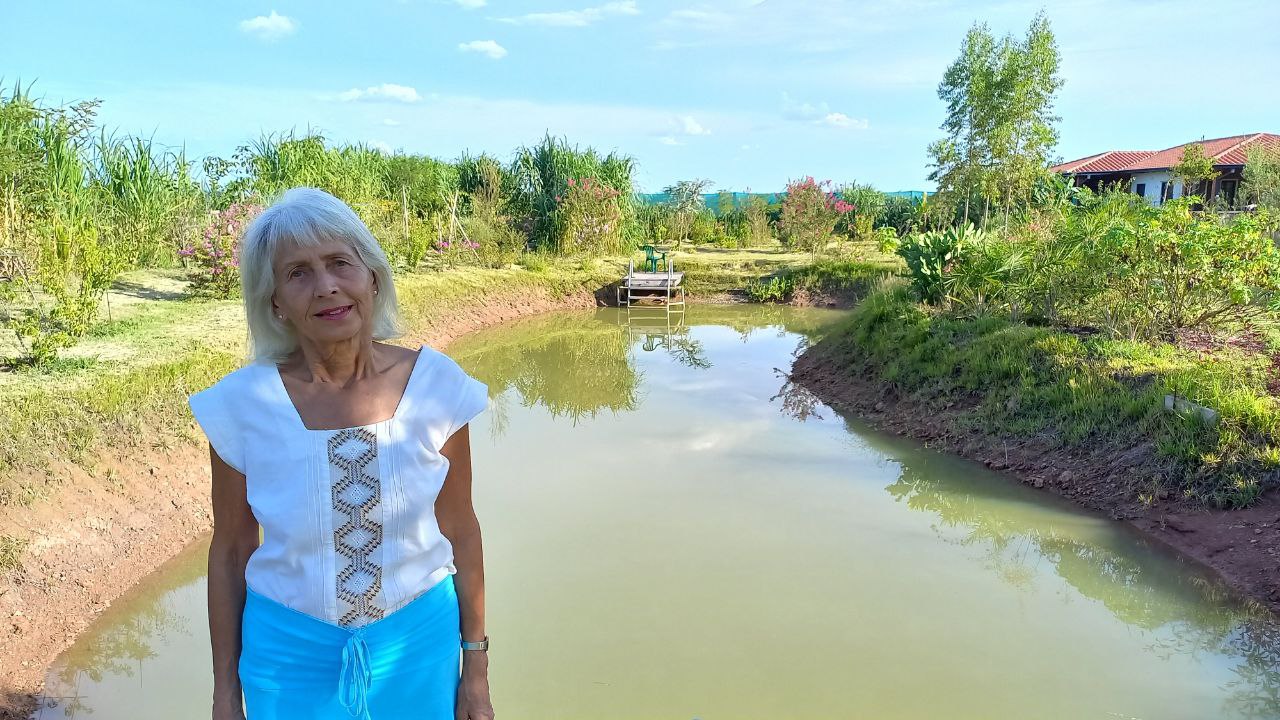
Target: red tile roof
[[1223, 151], [1110, 161]]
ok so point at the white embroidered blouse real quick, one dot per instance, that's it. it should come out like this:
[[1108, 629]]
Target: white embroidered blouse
[[348, 515]]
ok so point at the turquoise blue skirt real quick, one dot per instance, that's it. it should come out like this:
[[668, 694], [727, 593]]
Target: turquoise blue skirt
[[406, 665]]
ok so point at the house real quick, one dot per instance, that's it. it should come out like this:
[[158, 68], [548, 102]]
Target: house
[[1149, 173]]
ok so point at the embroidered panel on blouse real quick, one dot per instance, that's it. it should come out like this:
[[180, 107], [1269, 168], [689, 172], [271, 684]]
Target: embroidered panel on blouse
[[357, 512]]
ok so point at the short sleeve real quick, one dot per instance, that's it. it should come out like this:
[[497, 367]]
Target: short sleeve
[[473, 398], [210, 410]]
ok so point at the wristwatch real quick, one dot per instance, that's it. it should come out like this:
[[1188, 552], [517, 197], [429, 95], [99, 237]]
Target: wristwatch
[[482, 645]]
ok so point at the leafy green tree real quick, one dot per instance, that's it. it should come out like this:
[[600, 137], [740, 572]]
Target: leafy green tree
[[1193, 170], [1022, 124], [1262, 176], [959, 160], [1000, 121], [686, 203]]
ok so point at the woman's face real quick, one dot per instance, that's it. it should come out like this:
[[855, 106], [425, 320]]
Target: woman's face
[[324, 292]]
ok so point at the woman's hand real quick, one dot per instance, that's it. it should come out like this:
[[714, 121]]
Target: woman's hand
[[473, 690]]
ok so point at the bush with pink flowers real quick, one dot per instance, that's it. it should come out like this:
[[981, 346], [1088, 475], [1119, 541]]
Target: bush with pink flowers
[[810, 211], [214, 259], [590, 217]]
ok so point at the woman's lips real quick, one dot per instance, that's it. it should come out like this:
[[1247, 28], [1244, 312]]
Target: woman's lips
[[335, 314]]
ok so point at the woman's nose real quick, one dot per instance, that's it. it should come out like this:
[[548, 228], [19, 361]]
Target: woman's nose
[[325, 285]]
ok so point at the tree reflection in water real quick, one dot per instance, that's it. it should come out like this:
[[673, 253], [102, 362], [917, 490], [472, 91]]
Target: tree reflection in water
[[118, 642], [575, 367], [1182, 612]]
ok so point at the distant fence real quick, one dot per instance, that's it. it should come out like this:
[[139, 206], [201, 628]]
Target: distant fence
[[740, 199]]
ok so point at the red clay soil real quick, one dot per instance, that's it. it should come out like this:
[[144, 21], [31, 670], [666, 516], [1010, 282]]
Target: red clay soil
[[1241, 546], [98, 535]]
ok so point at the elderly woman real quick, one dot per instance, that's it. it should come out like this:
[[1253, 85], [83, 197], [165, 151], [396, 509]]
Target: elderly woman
[[366, 597]]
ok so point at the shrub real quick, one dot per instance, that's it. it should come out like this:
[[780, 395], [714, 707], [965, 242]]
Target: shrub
[[868, 205], [590, 217], [704, 229], [899, 213], [217, 255], [810, 212], [931, 256], [887, 240], [496, 243], [776, 289], [1177, 269], [540, 174]]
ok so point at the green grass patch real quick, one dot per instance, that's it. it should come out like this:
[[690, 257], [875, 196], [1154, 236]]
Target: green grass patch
[[10, 553], [1034, 381]]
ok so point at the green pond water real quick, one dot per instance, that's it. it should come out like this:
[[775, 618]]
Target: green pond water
[[673, 531]]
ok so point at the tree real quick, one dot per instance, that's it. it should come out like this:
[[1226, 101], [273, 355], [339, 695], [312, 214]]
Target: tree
[[1000, 121], [1193, 169], [958, 159], [686, 203], [1262, 176], [1023, 131]]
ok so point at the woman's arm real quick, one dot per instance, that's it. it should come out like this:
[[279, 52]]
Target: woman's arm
[[235, 537], [456, 516]]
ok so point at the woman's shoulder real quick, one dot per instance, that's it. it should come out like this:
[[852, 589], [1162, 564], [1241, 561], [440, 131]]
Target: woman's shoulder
[[237, 381], [439, 361]]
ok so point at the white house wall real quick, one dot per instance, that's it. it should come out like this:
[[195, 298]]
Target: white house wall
[[1152, 180]]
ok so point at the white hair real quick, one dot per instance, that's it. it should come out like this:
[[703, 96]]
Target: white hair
[[306, 217]]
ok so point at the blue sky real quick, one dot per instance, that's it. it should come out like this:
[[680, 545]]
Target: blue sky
[[745, 93]]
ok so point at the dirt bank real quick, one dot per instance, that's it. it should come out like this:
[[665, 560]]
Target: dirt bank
[[98, 535], [1241, 546]]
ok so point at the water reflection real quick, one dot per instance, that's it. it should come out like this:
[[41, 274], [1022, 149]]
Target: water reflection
[[573, 367], [1184, 612], [651, 328], [129, 637], [1182, 609]]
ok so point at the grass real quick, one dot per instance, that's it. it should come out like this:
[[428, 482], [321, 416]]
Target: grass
[[10, 552], [1040, 382], [711, 270]]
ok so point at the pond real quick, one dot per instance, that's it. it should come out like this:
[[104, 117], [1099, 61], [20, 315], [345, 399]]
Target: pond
[[672, 530]]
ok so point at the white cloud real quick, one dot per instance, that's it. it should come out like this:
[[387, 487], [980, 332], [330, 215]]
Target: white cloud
[[269, 27], [841, 120], [691, 127], [470, 4], [701, 19], [385, 91], [575, 18], [484, 47], [819, 114]]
